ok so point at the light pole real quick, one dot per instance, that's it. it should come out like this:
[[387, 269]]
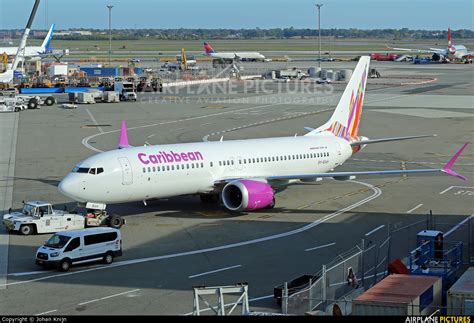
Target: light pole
[[110, 32], [319, 5]]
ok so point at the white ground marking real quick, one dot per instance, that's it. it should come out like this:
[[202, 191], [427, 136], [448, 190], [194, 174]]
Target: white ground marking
[[94, 120], [374, 230], [319, 247], [377, 192], [458, 225], [454, 187], [48, 312], [416, 207], [85, 141], [427, 113], [287, 117], [215, 271], [8, 140], [107, 297]]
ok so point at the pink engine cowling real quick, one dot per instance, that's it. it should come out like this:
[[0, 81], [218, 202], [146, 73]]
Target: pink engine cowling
[[247, 195]]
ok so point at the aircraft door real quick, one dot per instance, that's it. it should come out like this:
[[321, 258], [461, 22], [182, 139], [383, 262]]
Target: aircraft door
[[127, 175]]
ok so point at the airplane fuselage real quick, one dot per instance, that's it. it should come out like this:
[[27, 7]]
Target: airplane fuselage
[[142, 173], [30, 51], [238, 55]]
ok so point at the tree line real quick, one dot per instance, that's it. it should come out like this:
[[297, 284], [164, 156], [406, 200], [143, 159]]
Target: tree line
[[258, 33]]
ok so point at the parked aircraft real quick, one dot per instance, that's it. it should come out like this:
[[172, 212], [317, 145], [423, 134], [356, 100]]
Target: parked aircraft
[[32, 51], [251, 56], [451, 53]]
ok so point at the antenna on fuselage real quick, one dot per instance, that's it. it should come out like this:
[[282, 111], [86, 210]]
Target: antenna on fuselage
[[222, 139]]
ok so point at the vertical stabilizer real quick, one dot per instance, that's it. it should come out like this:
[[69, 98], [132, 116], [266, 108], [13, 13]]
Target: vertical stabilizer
[[346, 117], [47, 39]]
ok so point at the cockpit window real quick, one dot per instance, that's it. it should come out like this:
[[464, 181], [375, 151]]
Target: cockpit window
[[84, 170], [80, 170]]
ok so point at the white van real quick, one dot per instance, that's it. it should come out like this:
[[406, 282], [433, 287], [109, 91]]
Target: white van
[[80, 246]]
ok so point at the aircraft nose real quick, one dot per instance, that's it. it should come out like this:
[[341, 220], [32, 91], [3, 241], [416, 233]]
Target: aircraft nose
[[69, 187]]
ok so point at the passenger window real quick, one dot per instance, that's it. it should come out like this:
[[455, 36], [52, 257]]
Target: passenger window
[[168, 167], [245, 161], [158, 168], [211, 164], [192, 165], [149, 169], [187, 166], [154, 169], [144, 169], [220, 164], [182, 166], [202, 165], [100, 238], [73, 244], [172, 167]]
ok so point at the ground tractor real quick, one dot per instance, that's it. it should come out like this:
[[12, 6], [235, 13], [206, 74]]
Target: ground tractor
[[40, 217]]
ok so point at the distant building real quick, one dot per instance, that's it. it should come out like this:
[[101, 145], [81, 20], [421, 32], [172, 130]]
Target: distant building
[[74, 33]]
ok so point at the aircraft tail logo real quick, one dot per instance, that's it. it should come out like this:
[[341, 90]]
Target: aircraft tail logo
[[208, 48], [346, 117]]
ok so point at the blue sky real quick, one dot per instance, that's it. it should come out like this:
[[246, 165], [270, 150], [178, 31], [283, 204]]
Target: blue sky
[[361, 14]]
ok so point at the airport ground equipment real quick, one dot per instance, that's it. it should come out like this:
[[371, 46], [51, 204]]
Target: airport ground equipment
[[41, 217], [241, 290], [31, 102], [374, 73], [126, 90]]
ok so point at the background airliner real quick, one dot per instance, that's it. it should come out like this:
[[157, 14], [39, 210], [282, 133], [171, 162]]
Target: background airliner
[[32, 51], [451, 53], [232, 55], [243, 172]]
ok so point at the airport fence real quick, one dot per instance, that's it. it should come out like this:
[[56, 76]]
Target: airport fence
[[358, 268], [349, 274]]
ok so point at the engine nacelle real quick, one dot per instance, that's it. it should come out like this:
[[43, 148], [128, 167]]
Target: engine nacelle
[[247, 195]]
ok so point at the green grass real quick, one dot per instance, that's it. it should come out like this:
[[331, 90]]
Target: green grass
[[126, 49]]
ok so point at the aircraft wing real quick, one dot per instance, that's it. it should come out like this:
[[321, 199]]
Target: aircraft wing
[[343, 175], [347, 175], [373, 141]]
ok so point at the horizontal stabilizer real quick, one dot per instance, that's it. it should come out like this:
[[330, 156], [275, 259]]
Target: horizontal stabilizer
[[308, 129], [373, 141]]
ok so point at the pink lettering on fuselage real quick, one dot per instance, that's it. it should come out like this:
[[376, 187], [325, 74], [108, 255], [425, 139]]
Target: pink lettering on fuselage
[[169, 157]]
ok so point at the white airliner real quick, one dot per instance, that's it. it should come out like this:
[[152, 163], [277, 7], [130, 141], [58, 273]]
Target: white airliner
[[253, 56], [451, 53], [244, 172], [32, 51]]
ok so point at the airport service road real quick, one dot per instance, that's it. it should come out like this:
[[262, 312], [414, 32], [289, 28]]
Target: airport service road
[[174, 244]]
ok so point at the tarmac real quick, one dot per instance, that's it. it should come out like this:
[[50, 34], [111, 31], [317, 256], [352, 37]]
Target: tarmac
[[174, 244]]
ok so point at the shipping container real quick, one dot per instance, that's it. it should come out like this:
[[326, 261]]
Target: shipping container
[[401, 295], [58, 69], [104, 71], [461, 295]]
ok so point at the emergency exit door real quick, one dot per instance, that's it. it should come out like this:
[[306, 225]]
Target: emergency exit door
[[127, 175]]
